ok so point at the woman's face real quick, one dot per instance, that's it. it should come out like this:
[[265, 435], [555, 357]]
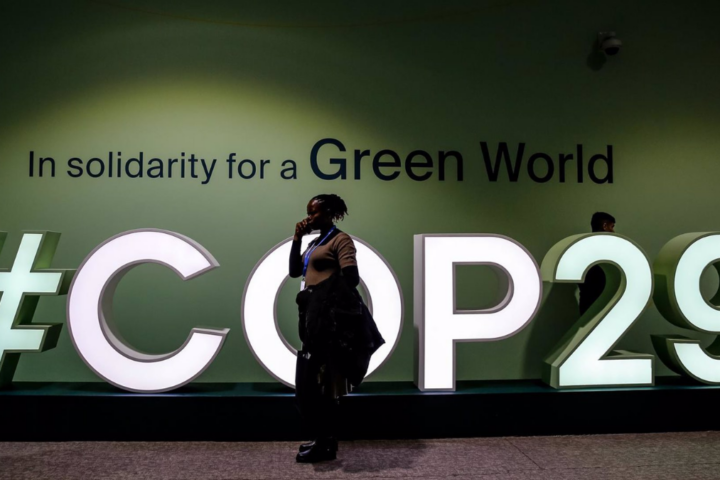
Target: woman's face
[[317, 217]]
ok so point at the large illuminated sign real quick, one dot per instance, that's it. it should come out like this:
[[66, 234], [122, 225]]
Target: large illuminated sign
[[259, 314], [91, 325], [585, 356], [439, 325], [29, 277], [677, 272]]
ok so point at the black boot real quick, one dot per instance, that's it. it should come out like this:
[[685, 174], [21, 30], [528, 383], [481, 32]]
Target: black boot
[[322, 449], [304, 447]]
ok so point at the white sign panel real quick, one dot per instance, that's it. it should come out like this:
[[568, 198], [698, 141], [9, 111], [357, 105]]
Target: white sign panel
[[89, 312], [259, 314], [439, 325]]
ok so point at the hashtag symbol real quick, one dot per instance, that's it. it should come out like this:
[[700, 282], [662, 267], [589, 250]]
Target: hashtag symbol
[[21, 287]]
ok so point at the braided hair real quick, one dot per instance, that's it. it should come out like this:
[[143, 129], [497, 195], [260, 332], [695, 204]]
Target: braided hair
[[332, 204]]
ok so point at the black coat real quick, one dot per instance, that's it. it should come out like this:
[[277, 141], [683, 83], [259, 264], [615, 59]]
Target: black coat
[[335, 323]]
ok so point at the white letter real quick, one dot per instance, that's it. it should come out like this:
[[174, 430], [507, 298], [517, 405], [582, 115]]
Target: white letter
[[89, 312], [678, 268], [260, 318], [583, 356], [438, 324]]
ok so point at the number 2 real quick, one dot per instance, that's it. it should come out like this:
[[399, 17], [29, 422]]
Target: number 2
[[584, 356]]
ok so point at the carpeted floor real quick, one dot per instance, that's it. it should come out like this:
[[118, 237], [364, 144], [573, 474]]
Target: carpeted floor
[[672, 456]]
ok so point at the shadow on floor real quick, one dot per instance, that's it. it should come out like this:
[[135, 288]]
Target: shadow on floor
[[365, 457]]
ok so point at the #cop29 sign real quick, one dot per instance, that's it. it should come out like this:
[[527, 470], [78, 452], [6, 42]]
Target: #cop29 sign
[[584, 357]]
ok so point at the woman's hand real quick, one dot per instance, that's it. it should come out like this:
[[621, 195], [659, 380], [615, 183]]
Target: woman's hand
[[301, 228]]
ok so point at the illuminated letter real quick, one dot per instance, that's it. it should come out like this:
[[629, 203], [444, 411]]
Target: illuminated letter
[[20, 288], [583, 356], [260, 317], [677, 273], [89, 312], [438, 324]]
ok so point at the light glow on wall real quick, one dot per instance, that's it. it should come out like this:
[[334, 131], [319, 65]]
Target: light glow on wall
[[89, 312], [259, 314], [439, 326]]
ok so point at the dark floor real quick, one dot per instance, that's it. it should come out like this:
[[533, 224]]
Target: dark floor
[[649, 456]]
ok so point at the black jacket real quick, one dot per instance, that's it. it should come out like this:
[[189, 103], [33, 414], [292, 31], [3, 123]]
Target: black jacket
[[591, 288], [336, 323]]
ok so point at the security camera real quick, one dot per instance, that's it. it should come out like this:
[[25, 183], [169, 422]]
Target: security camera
[[609, 43]]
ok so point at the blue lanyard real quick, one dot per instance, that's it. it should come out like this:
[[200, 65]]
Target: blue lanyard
[[307, 255]]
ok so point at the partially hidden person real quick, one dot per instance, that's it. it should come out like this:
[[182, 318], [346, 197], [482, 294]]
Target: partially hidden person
[[594, 284]]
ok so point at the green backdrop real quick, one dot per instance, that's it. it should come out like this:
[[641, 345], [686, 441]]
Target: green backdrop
[[267, 81]]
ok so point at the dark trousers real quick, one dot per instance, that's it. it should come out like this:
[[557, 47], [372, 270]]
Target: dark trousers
[[318, 409]]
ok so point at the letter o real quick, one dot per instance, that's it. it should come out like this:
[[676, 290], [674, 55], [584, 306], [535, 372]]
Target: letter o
[[259, 315]]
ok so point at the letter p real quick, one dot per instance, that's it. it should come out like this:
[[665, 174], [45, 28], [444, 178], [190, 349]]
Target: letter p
[[439, 324]]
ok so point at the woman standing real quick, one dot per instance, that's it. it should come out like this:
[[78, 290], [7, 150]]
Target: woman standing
[[330, 275]]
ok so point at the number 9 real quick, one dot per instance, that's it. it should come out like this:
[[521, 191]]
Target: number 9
[[677, 296]]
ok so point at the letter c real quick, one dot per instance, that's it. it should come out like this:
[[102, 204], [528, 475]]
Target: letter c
[[89, 312]]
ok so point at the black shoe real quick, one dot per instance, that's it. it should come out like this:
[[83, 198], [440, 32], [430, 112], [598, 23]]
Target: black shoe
[[321, 450], [304, 447]]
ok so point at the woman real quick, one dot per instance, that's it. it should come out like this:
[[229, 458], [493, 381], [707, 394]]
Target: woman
[[333, 324]]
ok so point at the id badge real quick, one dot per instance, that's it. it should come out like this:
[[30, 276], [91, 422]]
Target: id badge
[[302, 285]]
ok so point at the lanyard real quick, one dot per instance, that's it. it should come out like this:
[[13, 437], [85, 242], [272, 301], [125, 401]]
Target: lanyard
[[307, 255]]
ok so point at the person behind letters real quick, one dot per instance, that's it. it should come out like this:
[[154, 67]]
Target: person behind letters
[[594, 283]]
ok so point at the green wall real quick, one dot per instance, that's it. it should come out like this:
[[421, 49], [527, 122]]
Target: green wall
[[82, 78]]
